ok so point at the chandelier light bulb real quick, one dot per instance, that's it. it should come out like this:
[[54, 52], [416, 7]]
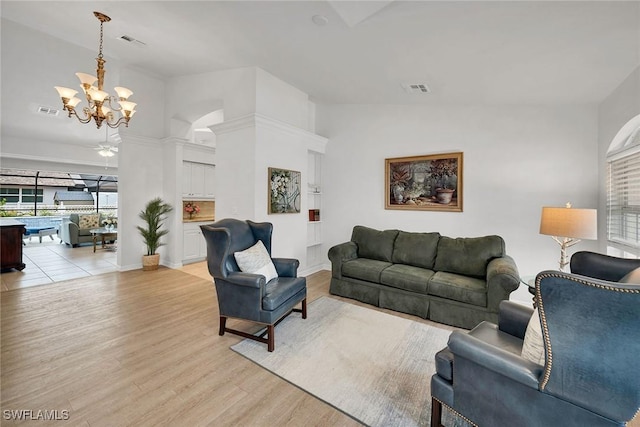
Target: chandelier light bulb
[[86, 79], [65, 92], [127, 105], [123, 93], [73, 102], [97, 95]]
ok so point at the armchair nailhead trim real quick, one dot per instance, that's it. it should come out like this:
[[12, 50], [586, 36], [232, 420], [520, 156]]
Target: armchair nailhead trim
[[543, 319], [456, 412]]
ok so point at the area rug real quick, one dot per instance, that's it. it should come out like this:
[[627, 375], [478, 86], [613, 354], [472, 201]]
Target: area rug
[[373, 366]]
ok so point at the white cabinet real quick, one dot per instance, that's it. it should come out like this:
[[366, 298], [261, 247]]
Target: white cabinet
[[194, 245], [198, 180], [209, 181]]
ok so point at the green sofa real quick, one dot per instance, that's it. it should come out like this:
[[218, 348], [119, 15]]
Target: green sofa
[[458, 282], [77, 228]]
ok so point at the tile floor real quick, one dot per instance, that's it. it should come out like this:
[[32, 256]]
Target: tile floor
[[50, 262]]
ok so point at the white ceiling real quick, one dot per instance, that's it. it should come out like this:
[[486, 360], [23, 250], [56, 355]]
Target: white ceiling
[[513, 52]]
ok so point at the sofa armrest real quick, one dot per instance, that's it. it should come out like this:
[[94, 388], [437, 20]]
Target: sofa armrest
[[514, 318], [246, 279], [69, 232], [286, 267], [600, 266], [498, 360], [340, 253], [502, 279]]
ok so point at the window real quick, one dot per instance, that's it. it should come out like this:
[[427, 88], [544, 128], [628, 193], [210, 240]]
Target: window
[[623, 189], [28, 195], [11, 195]]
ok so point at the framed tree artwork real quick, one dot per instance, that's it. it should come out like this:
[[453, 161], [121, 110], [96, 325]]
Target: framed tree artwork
[[284, 191], [424, 183]]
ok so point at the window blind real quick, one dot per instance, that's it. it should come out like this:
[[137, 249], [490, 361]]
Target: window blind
[[623, 202]]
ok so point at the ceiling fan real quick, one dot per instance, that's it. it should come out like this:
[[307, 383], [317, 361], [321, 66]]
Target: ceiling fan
[[106, 149]]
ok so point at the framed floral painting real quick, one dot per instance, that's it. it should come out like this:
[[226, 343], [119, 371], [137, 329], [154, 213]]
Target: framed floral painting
[[428, 183], [284, 191]]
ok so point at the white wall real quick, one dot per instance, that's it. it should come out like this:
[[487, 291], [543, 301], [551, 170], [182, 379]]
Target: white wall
[[281, 101], [190, 97], [273, 135], [140, 179], [516, 160], [284, 150], [614, 112], [149, 94]]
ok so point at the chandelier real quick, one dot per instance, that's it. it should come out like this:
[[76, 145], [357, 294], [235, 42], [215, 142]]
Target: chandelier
[[100, 104]]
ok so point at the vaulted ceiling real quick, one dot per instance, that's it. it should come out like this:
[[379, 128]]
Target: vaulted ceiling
[[515, 52]]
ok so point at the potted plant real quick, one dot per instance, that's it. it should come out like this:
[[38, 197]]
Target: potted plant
[[442, 170], [399, 180], [153, 214]]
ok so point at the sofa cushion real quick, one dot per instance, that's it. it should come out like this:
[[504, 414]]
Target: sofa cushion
[[458, 288], [406, 277], [374, 244], [417, 249], [88, 221], [280, 289], [468, 256], [533, 344], [631, 277], [84, 232], [256, 260], [364, 269]]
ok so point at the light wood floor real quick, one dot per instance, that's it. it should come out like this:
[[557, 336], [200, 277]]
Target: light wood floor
[[142, 348]]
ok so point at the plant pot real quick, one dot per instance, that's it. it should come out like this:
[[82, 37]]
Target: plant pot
[[397, 193], [150, 262], [444, 195]]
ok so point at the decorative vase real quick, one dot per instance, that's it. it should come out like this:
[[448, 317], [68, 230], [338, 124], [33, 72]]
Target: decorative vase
[[397, 193], [150, 262], [444, 195], [190, 215]]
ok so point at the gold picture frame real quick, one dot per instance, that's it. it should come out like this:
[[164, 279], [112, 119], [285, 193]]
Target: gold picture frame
[[424, 183], [284, 191]]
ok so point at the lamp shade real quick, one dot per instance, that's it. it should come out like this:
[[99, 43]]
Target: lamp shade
[[86, 79], [569, 222], [65, 92], [123, 92]]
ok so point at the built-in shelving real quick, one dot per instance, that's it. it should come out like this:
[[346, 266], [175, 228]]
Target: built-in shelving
[[315, 212]]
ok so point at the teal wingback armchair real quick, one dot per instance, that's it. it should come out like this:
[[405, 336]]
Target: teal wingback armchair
[[590, 377], [245, 295]]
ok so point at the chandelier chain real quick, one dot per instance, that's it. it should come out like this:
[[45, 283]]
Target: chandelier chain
[[101, 33]]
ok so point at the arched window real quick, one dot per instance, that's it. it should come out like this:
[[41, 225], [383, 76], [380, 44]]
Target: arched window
[[623, 190]]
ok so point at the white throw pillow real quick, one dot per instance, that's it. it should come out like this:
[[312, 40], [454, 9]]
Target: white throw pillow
[[256, 260], [533, 345]]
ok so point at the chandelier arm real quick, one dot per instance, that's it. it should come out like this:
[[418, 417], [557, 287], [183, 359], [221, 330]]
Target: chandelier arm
[[120, 121], [109, 99], [87, 115]]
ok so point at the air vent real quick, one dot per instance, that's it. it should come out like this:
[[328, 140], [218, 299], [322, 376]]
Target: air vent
[[132, 40], [48, 111], [416, 88]]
